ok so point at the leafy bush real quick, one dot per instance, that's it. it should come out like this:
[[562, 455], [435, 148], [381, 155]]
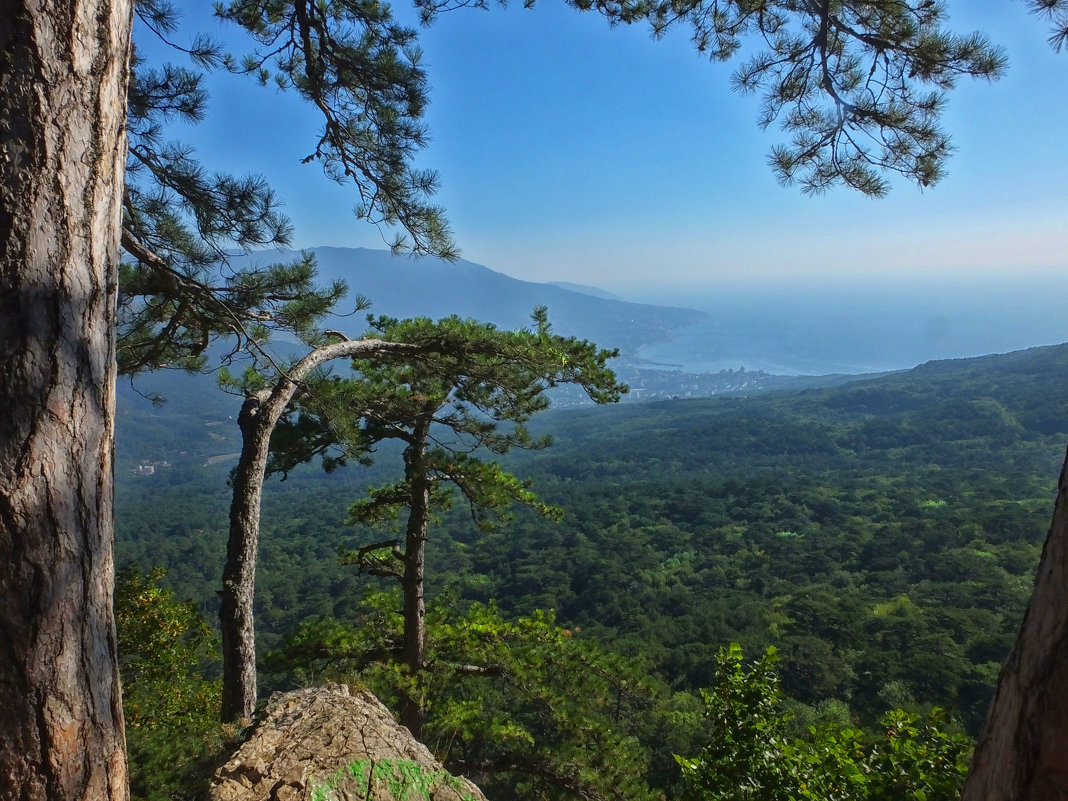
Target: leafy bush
[[166, 648], [750, 755], [526, 708]]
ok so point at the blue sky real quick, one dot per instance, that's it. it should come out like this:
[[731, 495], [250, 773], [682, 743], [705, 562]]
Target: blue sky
[[571, 151]]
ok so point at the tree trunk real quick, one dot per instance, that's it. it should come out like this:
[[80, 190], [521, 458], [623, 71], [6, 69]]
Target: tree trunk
[[1022, 753], [257, 420], [62, 150], [412, 713], [239, 573]]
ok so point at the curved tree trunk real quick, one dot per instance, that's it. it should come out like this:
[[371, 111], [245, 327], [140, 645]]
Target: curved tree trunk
[[1022, 753], [257, 420], [63, 70]]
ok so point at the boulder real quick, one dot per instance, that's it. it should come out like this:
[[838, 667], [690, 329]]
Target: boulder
[[330, 744]]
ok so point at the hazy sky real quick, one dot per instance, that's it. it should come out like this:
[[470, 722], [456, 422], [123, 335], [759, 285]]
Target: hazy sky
[[571, 151]]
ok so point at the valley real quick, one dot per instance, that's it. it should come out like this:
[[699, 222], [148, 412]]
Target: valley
[[882, 534], [879, 531]]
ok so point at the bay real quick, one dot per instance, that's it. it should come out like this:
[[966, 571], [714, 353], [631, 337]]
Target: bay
[[860, 327]]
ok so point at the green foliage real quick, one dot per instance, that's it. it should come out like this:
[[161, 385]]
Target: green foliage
[[751, 755], [560, 715], [171, 709], [487, 488], [918, 759], [165, 645], [181, 287], [744, 751], [395, 780], [534, 710], [475, 391]]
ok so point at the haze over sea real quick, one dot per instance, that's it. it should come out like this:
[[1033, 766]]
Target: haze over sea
[[861, 326]]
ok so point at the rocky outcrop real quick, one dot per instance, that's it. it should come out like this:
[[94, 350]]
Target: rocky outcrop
[[1022, 753], [327, 744]]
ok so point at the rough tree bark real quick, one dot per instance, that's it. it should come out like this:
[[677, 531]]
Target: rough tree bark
[[259, 415], [413, 714], [1022, 753], [63, 69]]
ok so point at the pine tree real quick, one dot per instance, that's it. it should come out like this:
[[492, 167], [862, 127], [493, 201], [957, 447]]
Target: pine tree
[[265, 404], [411, 377], [472, 395], [62, 74]]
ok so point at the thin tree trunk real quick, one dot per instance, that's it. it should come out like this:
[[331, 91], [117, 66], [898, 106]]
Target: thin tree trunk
[[257, 420], [239, 573], [1022, 753], [413, 716], [63, 70]]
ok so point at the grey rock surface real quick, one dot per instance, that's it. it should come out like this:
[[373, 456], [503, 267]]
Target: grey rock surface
[[330, 744]]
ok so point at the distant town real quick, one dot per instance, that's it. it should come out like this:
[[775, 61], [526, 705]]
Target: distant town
[[649, 384]]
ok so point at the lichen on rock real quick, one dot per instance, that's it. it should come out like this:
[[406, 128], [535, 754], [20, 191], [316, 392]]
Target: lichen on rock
[[329, 744]]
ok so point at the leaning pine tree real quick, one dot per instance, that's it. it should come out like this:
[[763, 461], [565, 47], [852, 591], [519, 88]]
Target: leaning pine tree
[[268, 402]]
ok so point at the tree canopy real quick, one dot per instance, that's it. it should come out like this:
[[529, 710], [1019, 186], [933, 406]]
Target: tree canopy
[[472, 396], [751, 755], [180, 289]]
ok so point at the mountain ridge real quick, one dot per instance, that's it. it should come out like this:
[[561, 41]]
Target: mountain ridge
[[430, 287]]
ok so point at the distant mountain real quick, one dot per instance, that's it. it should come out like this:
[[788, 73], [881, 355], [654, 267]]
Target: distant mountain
[[196, 424], [583, 289], [429, 287]]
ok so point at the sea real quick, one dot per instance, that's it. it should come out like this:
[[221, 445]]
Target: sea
[[818, 329]]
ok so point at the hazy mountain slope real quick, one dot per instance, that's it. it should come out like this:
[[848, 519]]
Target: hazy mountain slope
[[584, 289], [405, 287]]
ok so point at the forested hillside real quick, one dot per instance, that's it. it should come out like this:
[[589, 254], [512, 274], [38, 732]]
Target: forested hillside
[[882, 535]]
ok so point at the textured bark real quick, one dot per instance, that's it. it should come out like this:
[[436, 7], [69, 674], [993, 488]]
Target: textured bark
[[239, 572], [257, 420], [1022, 753], [62, 148], [412, 713]]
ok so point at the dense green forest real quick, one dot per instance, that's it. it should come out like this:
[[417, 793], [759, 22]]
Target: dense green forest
[[882, 535]]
